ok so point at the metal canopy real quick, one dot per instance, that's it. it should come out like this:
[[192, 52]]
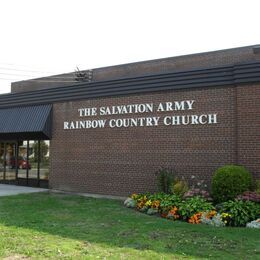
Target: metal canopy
[[26, 123]]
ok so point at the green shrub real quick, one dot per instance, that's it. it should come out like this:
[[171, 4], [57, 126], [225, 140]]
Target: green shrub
[[230, 181], [165, 179], [191, 206], [161, 196], [169, 201], [179, 188], [241, 212]]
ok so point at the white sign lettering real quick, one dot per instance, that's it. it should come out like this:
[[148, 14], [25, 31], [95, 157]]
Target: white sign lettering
[[148, 120]]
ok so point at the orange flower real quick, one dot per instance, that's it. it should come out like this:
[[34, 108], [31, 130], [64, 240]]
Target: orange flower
[[173, 213], [211, 214], [155, 204], [195, 219], [140, 204]]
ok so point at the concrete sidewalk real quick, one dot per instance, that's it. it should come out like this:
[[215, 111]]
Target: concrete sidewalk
[[7, 190]]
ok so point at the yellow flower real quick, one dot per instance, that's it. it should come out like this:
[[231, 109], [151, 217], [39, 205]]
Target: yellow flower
[[148, 203], [155, 204], [134, 196]]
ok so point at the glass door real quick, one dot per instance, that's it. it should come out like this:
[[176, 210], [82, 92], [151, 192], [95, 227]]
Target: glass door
[[33, 167], [7, 162], [10, 161], [33, 162], [22, 165], [25, 162]]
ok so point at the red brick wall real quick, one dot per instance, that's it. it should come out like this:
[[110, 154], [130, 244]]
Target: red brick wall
[[248, 127], [120, 161]]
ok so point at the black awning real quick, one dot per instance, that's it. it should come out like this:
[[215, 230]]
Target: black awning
[[26, 123]]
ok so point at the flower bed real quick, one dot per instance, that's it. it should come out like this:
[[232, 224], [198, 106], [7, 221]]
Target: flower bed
[[196, 210]]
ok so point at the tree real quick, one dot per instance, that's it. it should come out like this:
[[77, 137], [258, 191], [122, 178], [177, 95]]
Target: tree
[[44, 148]]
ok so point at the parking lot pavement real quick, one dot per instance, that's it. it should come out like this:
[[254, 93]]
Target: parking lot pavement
[[7, 190]]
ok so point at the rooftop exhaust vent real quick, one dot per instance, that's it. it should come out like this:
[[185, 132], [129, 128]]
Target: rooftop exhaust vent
[[83, 76]]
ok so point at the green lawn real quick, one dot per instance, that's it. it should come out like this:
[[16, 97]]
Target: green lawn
[[57, 226]]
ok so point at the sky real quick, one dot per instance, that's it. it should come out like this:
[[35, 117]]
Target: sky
[[48, 37]]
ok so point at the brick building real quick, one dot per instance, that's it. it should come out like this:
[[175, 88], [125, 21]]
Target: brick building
[[108, 130]]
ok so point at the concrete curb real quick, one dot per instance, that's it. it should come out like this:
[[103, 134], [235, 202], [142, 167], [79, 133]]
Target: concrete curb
[[89, 195], [10, 190]]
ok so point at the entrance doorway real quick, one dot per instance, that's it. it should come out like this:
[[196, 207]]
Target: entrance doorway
[[7, 162], [25, 162]]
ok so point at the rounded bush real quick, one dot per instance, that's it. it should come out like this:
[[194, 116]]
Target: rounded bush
[[179, 188], [230, 181]]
